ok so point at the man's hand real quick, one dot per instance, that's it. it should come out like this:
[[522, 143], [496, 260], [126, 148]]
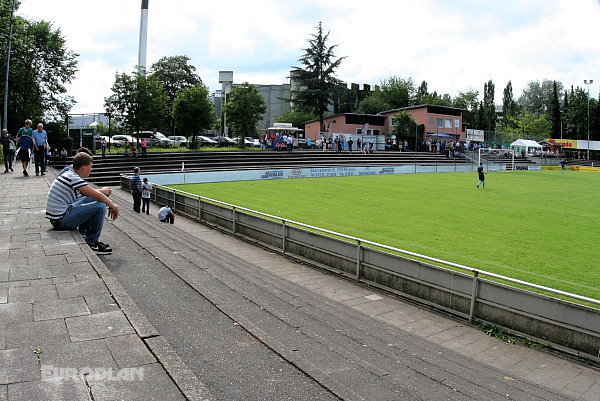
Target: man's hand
[[113, 211], [106, 190]]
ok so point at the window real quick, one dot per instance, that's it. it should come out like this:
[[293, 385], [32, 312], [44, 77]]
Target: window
[[440, 123], [448, 124]]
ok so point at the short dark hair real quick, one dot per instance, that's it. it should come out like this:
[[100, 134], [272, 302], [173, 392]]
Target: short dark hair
[[82, 159], [136, 170], [84, 150]]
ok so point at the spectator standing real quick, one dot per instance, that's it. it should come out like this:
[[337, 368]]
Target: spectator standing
[[146, 191], [40, 143], [24, 151], [8, 151], [350, 142], [103, 144], [136, 189], [73, 203], [144, 146], [358, 144], [166, 215]]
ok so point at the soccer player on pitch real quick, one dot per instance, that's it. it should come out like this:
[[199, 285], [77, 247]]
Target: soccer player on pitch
[[481, 175]]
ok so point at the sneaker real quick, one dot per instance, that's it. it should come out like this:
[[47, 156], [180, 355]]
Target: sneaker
[[25, 173], [11, 169], [105, 245], [100, 249]]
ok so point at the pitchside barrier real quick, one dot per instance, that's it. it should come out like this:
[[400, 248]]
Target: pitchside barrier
[[457, 289]]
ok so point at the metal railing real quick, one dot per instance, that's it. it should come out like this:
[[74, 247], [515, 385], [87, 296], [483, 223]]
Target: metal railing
[[461, 290], [361, 242]]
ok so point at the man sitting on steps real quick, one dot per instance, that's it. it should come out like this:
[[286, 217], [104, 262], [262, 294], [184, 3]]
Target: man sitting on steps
[[73, 203]]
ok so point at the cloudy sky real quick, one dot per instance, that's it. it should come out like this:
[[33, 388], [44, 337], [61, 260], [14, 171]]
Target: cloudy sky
[[454, 45]]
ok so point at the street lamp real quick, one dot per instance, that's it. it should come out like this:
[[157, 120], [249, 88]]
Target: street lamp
[[588, 83]]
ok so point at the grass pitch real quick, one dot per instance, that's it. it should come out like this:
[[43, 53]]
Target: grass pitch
[[537, 226]]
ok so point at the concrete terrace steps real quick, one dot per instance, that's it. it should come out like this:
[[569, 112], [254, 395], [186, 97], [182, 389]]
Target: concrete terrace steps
[[107, 170]]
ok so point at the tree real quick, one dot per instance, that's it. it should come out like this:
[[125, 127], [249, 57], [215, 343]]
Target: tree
[[555, 117], [373, 104], [509, 106], [528, 125], [537, 96], [193, 111], [175, 75], [404, 125], [296, 117], [489, 107], [244, 109], [422, 94], [138, 101], [40, 68], [468, 102], [316, 81]]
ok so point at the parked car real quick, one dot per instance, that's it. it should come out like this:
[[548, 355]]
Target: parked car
[[178, 140], [121, 140], [153, 139], [202, 140], [224, 141], [248, 141]]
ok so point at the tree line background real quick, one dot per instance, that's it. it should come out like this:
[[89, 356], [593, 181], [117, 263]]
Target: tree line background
[[171, 97]]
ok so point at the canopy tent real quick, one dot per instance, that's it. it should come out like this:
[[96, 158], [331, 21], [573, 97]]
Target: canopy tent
[[292, 129], [525, 145]]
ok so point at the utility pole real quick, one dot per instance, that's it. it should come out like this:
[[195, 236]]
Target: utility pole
[[5, 110], [591, 81]]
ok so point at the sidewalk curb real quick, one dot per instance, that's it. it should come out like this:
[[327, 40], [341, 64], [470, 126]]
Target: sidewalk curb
[[192, 388]]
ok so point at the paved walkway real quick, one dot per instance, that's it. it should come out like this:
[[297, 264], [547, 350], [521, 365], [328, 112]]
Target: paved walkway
[[64, 314], [67, 330]]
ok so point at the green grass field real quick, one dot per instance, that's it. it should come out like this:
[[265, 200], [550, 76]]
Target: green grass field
[[537, 226]]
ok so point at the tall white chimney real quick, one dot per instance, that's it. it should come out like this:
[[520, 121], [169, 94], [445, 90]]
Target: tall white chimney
[[143, 35]]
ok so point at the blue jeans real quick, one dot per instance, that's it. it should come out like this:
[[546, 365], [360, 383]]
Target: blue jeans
[[88, 212]]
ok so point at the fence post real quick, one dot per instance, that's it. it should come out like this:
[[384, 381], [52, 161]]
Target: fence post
[[174, 201], [283, 236], [358, 259], [233, 219], [473, 294], [200, 203]]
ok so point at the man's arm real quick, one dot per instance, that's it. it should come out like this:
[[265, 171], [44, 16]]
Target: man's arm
[[93, 193]]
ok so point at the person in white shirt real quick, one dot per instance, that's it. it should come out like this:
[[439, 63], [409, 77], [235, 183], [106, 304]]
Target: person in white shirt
[[146, 191], [166, 215]]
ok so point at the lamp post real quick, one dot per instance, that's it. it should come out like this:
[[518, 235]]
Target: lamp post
[[10, 34], [588, 83]]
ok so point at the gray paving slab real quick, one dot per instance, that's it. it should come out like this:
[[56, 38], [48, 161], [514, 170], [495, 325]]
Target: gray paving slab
[[3, 392], [60, 308], [81, 288], [18, 365], [101, 303], [71, 269], [71, 389], [68, 359], [17, 312], [100, 325], [32, 294], [147, 383], [129, 351], [36, 334], [25, 272]]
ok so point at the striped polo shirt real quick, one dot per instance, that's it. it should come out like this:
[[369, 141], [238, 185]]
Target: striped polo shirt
[[63, 192], [135, 181]]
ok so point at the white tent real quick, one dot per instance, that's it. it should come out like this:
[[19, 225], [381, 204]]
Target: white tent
[[525, 145]]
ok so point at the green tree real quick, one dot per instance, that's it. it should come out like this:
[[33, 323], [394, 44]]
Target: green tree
[[398, 92], [528, 125], [244, 109], [316, 81], [138, 101], [296, 117], [193, 111], [489, 107], [175, 75], [509, 106], [468, 102], [404, 125], [373, 104], [555, 117], [422, 94], [537, 96], [40, 68]]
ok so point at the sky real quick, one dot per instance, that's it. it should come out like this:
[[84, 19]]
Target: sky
[[454, 45]]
